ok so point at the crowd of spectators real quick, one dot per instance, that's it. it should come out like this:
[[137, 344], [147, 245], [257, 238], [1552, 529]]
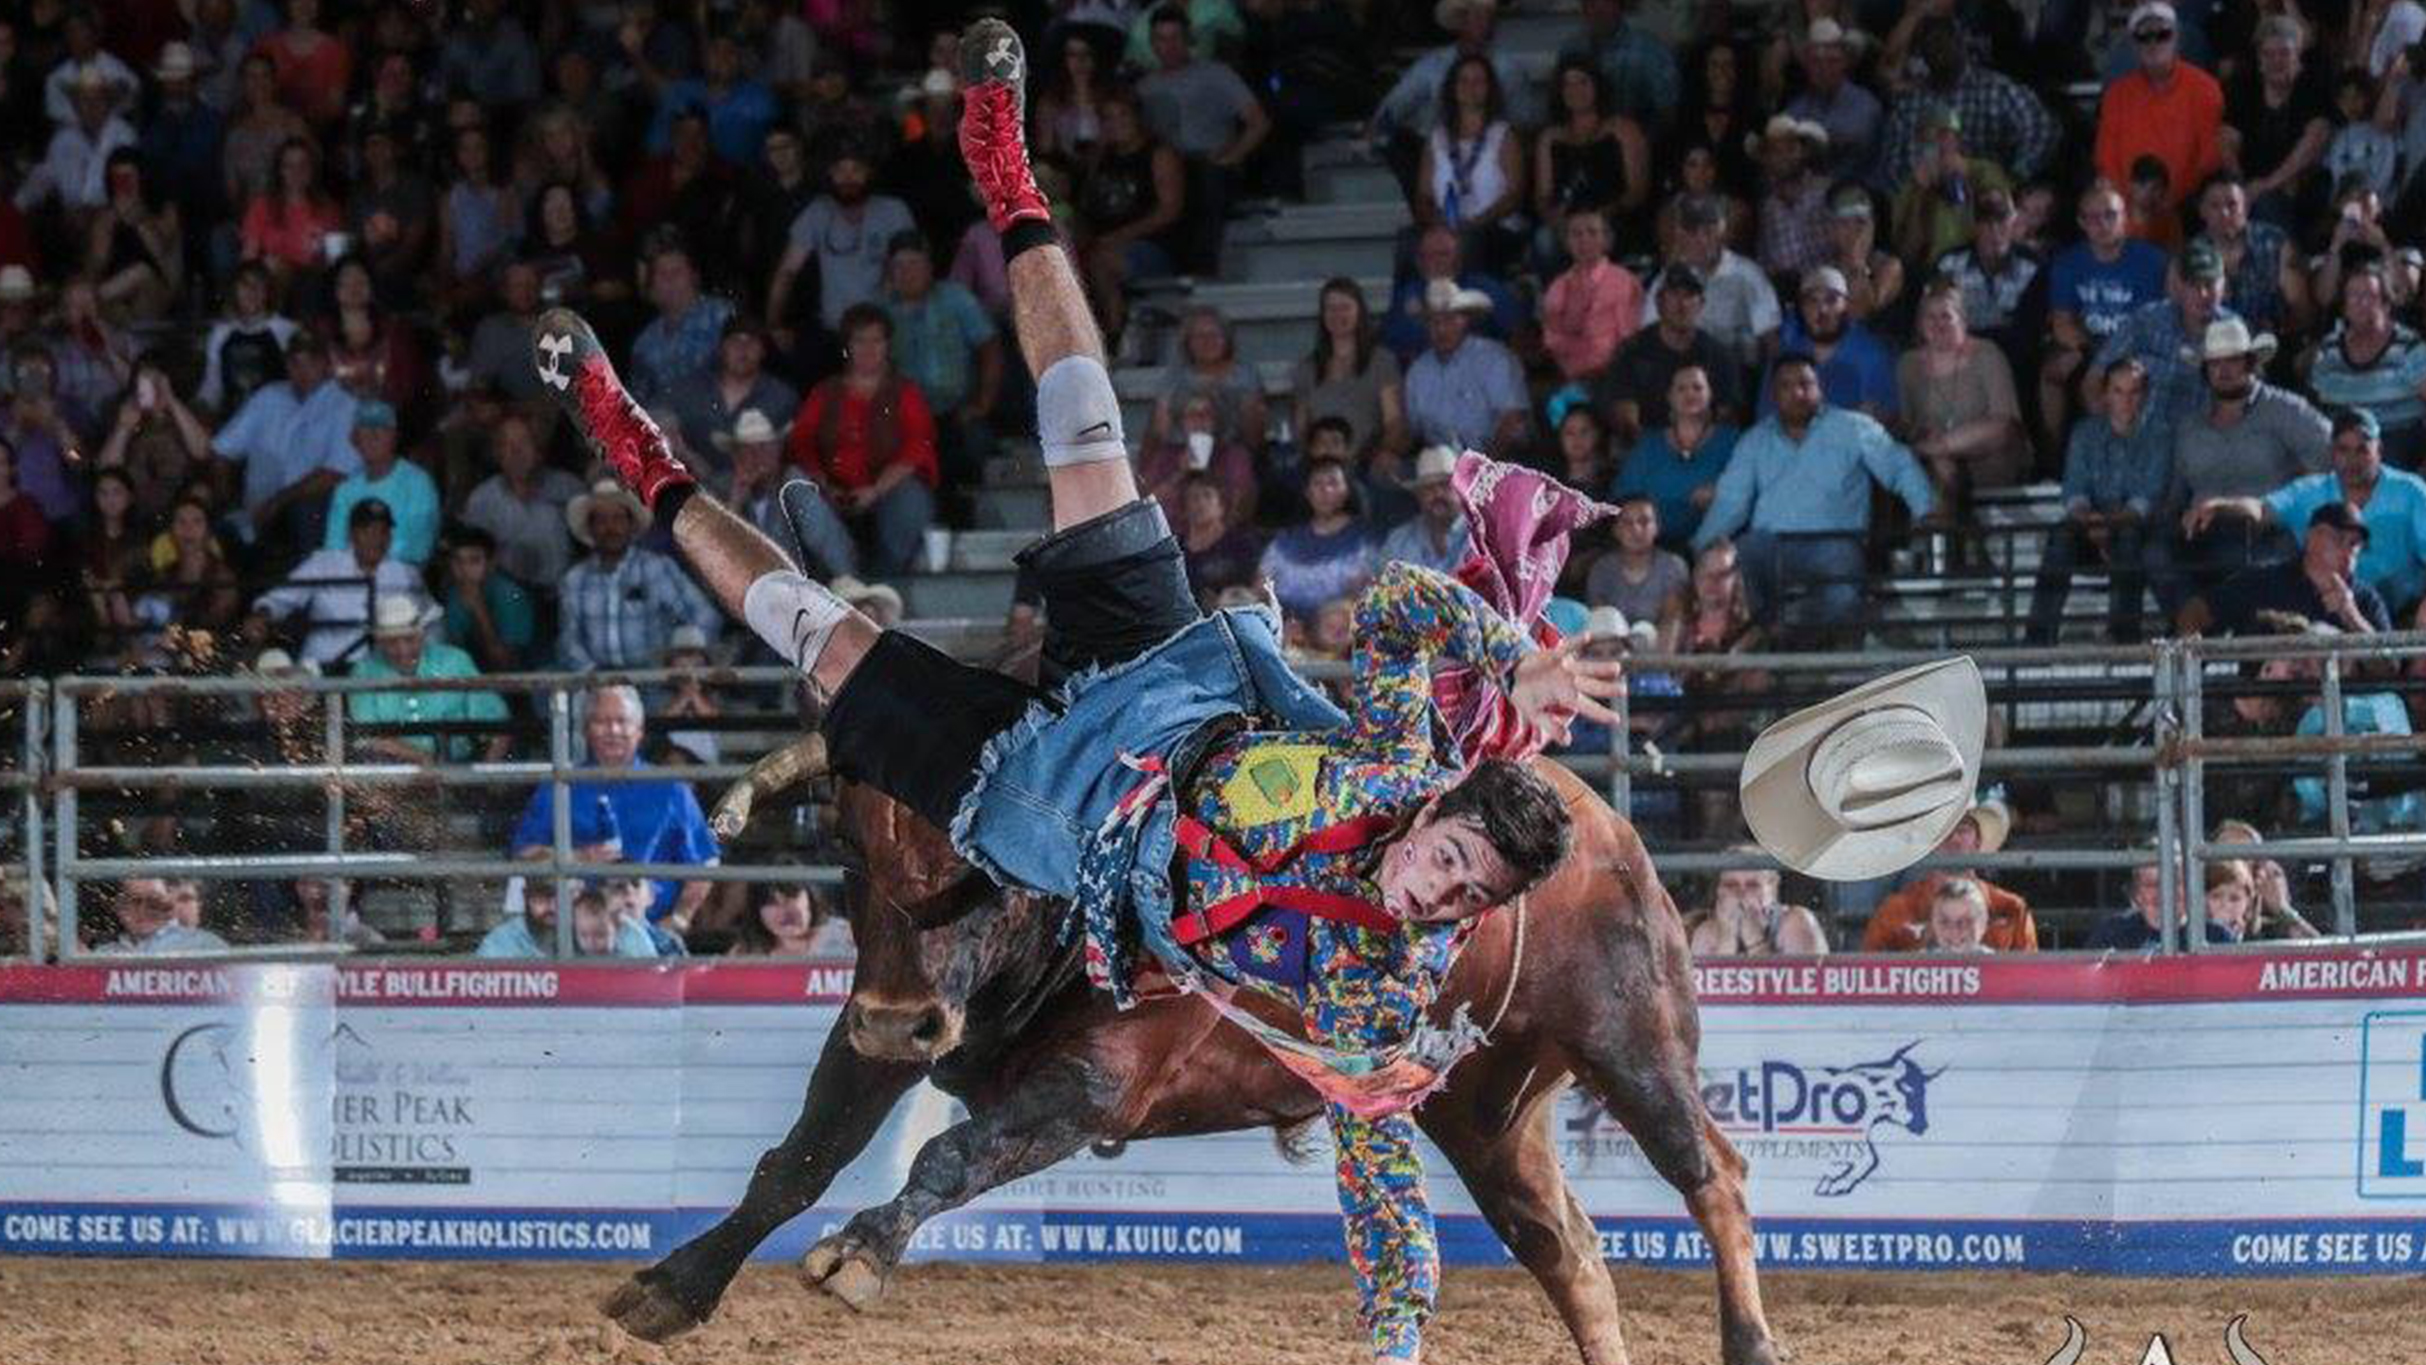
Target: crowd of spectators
[[1794, 287]]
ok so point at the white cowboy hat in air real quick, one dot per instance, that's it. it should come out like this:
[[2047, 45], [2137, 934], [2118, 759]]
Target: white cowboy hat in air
[[1869, 782], [396, 614], [577, 512], [2227, 338]]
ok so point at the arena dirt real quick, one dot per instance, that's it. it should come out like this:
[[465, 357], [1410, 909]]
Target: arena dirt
[[97, 1312]]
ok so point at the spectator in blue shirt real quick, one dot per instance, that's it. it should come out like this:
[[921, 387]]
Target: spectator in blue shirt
[[1856, 370], [677, 349], [739, 110], [943, 339], [633, 822], [410, 495], [1798, 491], [1678, 466], [2116, 470], [597, 930], [1437, 536], [2092, 286], [2391, 501], [295, 441], [2165, 335], [1465, 392]]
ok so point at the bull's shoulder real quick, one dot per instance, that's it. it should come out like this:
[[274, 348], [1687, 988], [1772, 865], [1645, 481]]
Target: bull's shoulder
[[1609, 868]]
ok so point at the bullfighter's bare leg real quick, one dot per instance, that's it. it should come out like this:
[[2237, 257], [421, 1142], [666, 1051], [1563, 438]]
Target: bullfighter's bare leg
[[1077, 414], [848, 1098]]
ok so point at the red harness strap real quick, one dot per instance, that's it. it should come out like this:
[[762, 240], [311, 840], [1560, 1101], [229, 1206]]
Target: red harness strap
[[1225, 914]]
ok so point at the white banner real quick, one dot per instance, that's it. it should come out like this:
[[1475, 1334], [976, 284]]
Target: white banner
[[2221, 1114]]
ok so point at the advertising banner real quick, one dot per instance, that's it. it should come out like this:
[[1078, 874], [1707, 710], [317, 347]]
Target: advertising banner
[[2227, 1114]]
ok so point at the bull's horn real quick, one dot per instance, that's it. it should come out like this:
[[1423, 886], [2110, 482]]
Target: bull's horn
[[789, 766], [2237, 1346], [2075, 1341]]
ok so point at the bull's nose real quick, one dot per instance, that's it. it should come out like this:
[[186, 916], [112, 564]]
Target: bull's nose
[[891, 1032]]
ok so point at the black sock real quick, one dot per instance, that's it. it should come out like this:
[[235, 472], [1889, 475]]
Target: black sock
[[1026, 235], [671, 499]]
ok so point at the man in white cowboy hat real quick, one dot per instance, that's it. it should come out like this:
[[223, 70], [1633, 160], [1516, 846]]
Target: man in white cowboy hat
[[1437, 537], [2252, 439], [753, 450], [1796, 222], [401, 647], [1465, 391], [1844, 107], [71, 169], [619, 606], [1868, 783], [181, 139], [1901, 922]]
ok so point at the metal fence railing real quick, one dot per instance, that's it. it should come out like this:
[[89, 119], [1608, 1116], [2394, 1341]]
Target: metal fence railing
[[2148, 765]]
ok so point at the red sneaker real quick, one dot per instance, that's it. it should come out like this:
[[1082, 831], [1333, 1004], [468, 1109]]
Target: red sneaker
[[575, 368], [993, 119]]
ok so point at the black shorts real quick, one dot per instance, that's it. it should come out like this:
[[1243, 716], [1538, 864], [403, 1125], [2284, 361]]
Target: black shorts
[[912, 721]]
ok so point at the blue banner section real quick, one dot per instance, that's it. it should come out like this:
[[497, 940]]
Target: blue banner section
[[2333, 1246]]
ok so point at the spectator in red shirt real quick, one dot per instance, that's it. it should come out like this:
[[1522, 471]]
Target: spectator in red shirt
[[286, 226], [315, 67], [2167, 109], [868, 439]]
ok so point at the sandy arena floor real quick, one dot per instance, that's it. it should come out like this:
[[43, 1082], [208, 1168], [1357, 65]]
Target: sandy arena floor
[[97, 1312]]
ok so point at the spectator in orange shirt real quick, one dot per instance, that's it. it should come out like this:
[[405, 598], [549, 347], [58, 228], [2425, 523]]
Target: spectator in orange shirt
[[1901, 924], [1593, 305], [2167, 109], [868, 439]]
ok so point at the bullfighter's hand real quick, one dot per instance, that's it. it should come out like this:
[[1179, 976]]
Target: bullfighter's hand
[[1555, 686]]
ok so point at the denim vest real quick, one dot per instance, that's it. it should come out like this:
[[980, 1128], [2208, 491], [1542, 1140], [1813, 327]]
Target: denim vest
[[1040, 814]]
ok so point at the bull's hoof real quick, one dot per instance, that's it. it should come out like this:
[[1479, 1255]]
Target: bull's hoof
[[840, 1266], [647, 1310]]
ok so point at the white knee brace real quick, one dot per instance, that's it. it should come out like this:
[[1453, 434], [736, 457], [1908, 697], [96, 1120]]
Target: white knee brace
[[1077, 414], [794, 614]]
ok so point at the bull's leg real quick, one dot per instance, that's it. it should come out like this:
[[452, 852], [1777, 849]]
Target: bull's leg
[[1516, 1181], [1642, 1068], [848, 1099], [1051, 1115]]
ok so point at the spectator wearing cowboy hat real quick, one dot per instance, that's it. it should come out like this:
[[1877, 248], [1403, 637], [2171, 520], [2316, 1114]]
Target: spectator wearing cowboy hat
[[2251, 440], [2167, 109], [2320, 585], [753, 478], [1739, 306], [1794, 215], [1902, 922], [1842, 107], [622, 604], [410, 495], [72, 167], [1856, 370], [401, 648], [738, 383], [1437, 537], [332, 590], [1466, 392]]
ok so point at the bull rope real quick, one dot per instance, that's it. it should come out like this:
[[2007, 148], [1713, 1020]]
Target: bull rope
[[1516, 968]]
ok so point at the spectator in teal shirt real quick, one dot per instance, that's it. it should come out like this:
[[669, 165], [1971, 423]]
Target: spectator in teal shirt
[[597, 931], [488, 615], [401, 648], [2391, 501], [411, 498], [1678, 466], [943, 339]]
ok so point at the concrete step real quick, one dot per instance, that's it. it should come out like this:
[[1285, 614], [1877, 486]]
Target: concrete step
[[1359, 182], [1318, 259], [1015, 508], [990, 551], [975, 596], [1322, 222]]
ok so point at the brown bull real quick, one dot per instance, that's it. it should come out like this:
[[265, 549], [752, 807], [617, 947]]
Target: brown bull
[[1588, 979]]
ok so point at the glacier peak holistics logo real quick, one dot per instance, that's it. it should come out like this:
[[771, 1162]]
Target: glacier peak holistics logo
[[1838, 1112]]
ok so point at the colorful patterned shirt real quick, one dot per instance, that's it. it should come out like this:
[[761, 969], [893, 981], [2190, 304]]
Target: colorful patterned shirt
[[1355, 988]]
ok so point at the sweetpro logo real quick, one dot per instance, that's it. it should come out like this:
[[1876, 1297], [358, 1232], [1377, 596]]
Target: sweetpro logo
[[1852, 1103]]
